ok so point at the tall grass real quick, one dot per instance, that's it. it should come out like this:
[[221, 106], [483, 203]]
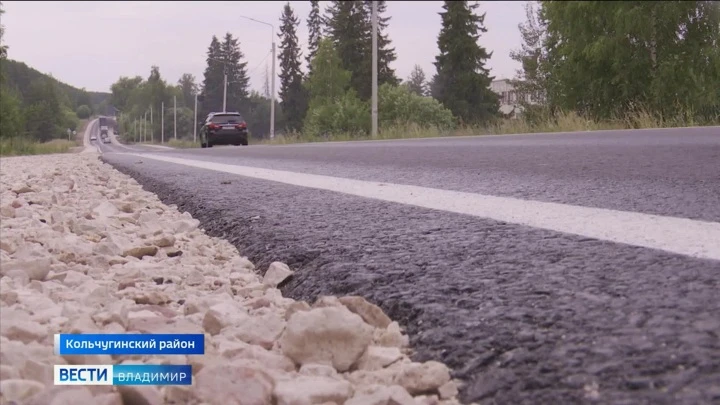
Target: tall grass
[[20, 146], [637, 118]]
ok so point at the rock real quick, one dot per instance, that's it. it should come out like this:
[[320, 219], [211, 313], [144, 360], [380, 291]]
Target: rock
[[391, 336], [263, 330], [22, 189], [36, 268], [419, 378], [164, 241], [8, 297], [140, 395], [383, 395], [222, 315], [312, 390], [296, 307], [378, 357], [327, 301], [152, 297], [104, 210], [140, 252], [85, 249], [123, 284], [25, 332], [8, 373], [318, 370], [448, 390], [194, 278], [233, 384], [58, 395], [370, 313], [276, 274], [19, 390], [329, 335], [173, 252], [108, 399]]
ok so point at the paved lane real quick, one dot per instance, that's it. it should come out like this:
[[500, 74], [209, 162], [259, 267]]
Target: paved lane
[[523, 314]]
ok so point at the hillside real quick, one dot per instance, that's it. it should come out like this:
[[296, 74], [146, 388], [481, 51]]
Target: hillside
[[19, 76]]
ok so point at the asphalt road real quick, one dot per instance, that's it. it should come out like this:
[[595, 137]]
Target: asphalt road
[[547, 268]]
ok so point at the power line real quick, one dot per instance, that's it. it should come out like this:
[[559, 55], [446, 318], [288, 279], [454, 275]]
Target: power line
[[259, 64]]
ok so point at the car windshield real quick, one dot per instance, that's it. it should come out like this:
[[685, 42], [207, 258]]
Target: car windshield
[[226, 119]]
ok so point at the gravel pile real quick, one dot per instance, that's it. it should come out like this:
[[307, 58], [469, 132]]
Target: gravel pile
[[84, 249]]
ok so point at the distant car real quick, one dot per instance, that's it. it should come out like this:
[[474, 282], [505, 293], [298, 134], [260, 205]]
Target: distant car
[[106, 139], [225, 128], [93, 138]]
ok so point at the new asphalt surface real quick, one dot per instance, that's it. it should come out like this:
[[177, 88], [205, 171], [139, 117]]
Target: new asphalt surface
[[523, 315]]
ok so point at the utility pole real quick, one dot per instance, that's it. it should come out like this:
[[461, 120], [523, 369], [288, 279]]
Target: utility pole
[[272, 83], [162, 122], [225, 93], [374, 104], [145, 127], [272, 89], [195, 121], [152, 127], [135, 133], [175, 115]]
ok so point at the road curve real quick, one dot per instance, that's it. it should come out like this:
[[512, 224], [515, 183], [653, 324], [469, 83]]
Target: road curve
[[547, 268]]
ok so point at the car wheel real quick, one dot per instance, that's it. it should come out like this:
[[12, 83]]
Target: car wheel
[[244, 141], [203, 145]]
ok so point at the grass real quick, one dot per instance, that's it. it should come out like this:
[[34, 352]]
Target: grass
[[18, 146], [561, 122]]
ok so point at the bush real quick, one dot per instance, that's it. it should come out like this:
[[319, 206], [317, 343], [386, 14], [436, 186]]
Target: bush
[[83, 112], [397, 105], [349, 115], [11, 118]]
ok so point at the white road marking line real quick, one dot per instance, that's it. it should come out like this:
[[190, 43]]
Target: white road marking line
[[700, 239]]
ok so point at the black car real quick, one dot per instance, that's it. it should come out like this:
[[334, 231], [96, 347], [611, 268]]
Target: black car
[[223, 128]]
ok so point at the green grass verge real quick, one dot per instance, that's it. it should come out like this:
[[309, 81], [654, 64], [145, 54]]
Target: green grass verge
[[20, 146]]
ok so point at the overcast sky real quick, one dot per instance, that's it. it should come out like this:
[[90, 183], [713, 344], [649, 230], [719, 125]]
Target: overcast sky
[[91, 44]]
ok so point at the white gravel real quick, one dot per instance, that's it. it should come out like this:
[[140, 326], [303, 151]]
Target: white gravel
[[72, 232]]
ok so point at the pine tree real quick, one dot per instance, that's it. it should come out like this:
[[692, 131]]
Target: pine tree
[[237, 76], [416, 82], [348, 25], [213, 78], [314, 24], [386, 54], [291, 89], [462, 82]]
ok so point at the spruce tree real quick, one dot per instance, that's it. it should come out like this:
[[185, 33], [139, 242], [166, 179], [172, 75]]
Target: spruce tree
[[386, 54], [291, 89], [416, 82], [238, 80], [348, 25], [213, 78], [314, 24], [462, 82]]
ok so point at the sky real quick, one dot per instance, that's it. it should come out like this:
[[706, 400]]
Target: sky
[[91, 44]]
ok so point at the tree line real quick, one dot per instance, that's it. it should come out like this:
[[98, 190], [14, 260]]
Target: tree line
[[598, 59], [606, 59], [35, 106]]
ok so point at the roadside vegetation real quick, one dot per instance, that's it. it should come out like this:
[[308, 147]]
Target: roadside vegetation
[[36, 111], [658, 67], [584, 66]]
